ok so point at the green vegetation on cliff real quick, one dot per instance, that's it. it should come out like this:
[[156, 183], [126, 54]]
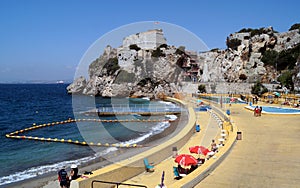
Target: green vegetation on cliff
[[233, 43], [295, 26], [285, 59], [158, 53], [112, 66], [254, 32], [286, 79], [201, 88], [258, 89]]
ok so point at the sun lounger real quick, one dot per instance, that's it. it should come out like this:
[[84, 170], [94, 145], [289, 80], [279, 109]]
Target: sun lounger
[[149, 168]]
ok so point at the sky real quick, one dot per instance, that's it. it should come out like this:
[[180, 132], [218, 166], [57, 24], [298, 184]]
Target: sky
[[47, 39]]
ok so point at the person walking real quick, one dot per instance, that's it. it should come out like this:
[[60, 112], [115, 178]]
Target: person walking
[[63, 178]]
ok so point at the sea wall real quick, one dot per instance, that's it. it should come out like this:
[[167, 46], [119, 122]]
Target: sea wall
[[133, 166], [218, 87]]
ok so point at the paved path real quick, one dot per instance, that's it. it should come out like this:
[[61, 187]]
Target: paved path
[[209, 130], [267, 156]]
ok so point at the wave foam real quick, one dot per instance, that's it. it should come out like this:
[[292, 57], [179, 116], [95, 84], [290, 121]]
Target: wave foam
[[160, 127], [40, 170], [171, 117]]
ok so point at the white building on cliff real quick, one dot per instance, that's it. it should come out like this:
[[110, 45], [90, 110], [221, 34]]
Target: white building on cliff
[[150, 39]]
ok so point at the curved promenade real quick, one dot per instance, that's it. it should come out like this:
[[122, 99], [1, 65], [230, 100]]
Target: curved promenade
[[133, 166], [132, 170], [210, 129]]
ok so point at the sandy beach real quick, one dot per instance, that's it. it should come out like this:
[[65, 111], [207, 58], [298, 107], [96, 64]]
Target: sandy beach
[[50, 180]]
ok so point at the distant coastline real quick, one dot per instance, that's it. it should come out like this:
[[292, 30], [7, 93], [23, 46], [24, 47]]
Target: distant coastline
[[39, 82]]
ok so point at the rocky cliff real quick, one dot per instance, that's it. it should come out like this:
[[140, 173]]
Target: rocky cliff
[[251, 55], [247, 57], [147, 75]]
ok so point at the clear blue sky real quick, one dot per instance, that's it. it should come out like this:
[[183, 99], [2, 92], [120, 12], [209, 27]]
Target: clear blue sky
[[45, 39]]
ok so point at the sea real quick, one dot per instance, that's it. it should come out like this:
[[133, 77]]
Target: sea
[[26, 105]]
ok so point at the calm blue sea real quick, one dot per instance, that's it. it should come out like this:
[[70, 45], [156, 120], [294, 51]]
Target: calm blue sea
[[22, 105]]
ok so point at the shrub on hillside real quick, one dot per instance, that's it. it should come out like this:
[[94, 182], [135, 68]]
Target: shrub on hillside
[[285, 59], [258, 89], [286, 79], [233, 43], [295, 26], [158, 53], [201, 88], [180, 50], [112, 66]]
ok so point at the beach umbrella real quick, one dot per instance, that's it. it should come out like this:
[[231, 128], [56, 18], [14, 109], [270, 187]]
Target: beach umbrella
[[276, 94], [199, 150], [186, 160]]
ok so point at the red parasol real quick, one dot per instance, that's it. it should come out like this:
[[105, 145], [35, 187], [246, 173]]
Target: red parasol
[[186, 160], [199, 150]]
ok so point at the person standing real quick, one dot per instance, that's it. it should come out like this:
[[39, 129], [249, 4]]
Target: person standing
[[260, 110], [73, 172], [63, 178], [213, 145]]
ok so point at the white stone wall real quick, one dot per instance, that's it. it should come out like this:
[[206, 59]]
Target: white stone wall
[[219, 87], [146, 40], [239, 36]]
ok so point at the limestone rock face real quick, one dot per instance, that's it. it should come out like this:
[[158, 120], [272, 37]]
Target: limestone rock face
[[149, 71], [244, 64], [147, 76], [77, 86]]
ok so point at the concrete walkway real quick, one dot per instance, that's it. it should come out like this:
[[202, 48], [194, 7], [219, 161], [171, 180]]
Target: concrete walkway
[[267, 155], [209, 130]]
